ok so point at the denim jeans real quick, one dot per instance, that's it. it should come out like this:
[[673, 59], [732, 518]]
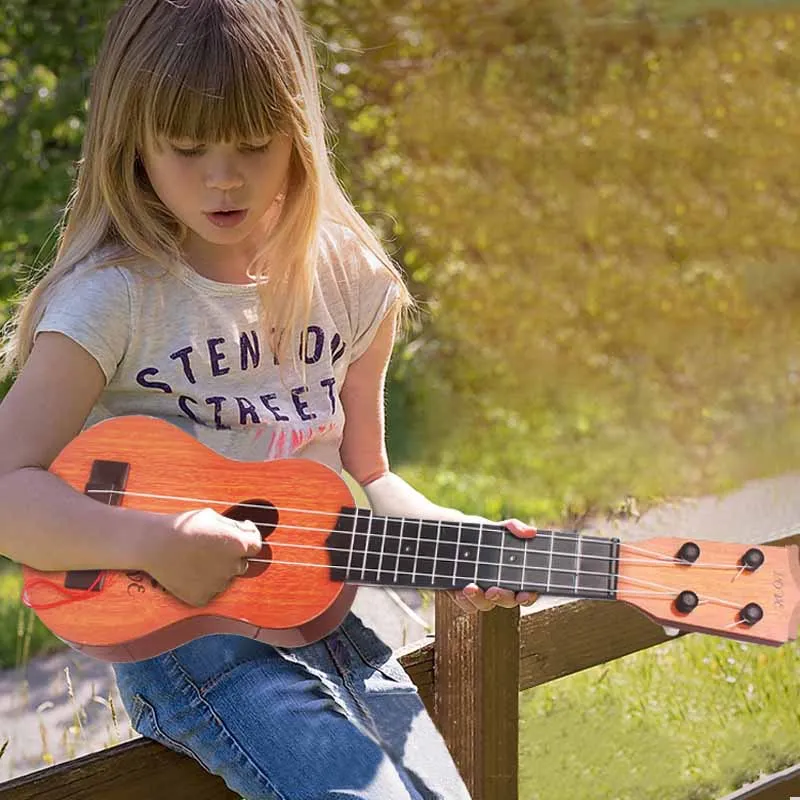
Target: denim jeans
[[336, 719]]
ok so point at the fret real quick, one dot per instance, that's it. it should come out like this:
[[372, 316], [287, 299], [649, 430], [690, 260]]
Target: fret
[[522, 586], [361, 537], [447, 555], [407, 558], [487, 568], [468, 549], [376, 541], [416, 554], [457, 555], [393, 534], [537, 559], [346, 542], [563, 564], [437, 536], [502, 560], [427, 554], [383, 547], [477, 559], [598, 567], [512, 549], [567, 565], [352, 542], [365, 551]]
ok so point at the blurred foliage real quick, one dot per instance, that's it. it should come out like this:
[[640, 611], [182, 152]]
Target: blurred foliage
[[593, 201]]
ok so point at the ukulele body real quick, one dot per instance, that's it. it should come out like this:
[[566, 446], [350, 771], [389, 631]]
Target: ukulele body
[[127, 616]]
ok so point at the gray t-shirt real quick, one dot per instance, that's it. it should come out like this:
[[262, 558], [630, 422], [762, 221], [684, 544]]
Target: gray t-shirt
[[183, 348]]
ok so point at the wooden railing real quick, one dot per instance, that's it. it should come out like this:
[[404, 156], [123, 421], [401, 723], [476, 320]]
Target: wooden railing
[[467, 681]]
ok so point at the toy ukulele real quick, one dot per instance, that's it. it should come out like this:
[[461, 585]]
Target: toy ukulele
[[318, 547]]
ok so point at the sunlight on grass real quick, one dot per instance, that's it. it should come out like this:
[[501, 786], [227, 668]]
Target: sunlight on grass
[[22, 635], [695, 718]]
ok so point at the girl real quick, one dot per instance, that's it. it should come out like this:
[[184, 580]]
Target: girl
[[211, 272]]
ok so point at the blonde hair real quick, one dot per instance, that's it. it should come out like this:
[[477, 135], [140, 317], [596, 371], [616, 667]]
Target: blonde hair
[[206, 70]]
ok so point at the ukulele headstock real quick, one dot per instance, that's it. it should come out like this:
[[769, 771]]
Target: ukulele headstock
[[746, 592]]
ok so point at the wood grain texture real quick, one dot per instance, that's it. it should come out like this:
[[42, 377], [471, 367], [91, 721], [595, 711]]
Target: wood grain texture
[[720, 583], [778, 786], [477, 695], [580, 634], [174, 473], [131, 771]]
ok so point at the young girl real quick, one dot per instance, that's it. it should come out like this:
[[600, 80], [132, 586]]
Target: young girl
[[211, 272]]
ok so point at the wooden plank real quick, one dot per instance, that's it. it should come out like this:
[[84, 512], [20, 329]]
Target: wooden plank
[[417, 660], [778, 786], [129, 771], [577, 635], [477, 697]]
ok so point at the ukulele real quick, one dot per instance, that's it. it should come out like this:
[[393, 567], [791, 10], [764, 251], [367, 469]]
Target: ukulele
[[318, 547]]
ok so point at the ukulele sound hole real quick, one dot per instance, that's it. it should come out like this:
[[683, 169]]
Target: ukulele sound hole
[[265, 515]]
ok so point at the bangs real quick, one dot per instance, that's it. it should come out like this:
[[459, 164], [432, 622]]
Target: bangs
[[217, 85]]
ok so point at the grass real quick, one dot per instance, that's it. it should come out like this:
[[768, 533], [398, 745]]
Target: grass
[[22, 635], [687, 720]]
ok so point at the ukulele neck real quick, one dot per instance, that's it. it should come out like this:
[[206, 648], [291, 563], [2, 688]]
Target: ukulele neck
[[426, 554]]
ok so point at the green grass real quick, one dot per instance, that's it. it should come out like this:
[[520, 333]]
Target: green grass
[[688, 720], [22, 635]]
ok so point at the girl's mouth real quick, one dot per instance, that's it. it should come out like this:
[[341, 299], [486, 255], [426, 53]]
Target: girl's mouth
[[227, 219]]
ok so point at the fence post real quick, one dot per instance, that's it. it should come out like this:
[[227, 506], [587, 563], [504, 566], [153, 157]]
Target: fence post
[[476, 669]]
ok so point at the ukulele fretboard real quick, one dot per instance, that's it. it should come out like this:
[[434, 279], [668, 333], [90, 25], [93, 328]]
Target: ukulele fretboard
[[394, 551]]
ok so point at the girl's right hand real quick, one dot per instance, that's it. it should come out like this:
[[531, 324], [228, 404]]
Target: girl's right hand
[[198, 553]]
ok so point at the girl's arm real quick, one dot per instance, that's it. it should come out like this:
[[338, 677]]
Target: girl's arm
[[48, 525], [44, 522], [364, 456]]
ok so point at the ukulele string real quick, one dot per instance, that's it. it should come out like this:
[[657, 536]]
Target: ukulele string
[[666, 591], [653, 554], [488, 546], [326, 549]]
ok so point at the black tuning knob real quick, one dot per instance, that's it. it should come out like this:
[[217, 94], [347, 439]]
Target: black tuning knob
[[689, 552], [751, 613], [686, 602], [752, 559]]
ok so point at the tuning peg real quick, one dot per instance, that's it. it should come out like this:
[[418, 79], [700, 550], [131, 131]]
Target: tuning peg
[[689, 552], [751, 614], [686, 602], [752, 559]]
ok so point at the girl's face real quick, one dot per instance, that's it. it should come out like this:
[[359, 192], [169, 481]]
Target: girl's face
[[221, 192]]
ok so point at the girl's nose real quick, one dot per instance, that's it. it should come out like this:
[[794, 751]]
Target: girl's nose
[[225, 176]]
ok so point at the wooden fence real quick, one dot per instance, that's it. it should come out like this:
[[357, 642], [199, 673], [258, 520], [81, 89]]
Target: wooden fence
[[467, 682]]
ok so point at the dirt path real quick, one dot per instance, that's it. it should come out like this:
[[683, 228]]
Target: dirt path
[[44, 722]]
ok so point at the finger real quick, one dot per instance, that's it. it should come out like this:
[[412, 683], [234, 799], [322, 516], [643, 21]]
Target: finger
[[244, 565], [501, 597], [519, 528], [527, 598], [462, 603], [253, 542], [478, 598]]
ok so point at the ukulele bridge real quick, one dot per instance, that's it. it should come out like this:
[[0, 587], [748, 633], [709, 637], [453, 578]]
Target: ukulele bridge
[[107, 482]]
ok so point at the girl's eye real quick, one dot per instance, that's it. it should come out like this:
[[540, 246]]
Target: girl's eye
[[262, 148], [188, 153]]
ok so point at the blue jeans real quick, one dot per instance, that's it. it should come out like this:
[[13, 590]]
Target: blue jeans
[[336, 719]]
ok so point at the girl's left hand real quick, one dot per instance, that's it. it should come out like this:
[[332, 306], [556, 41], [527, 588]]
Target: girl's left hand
[[472, 598]]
